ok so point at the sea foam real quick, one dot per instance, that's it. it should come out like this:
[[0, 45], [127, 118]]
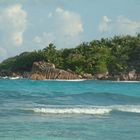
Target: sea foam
[[129, 108], [11, 78], [126, 81], [66, 80], [90, 111], [14, 78]]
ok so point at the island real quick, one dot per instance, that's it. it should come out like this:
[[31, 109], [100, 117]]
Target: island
[[116, 58]]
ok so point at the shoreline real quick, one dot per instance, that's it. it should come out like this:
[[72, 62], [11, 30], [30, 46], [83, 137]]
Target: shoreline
[[69, 80], [47, 71]]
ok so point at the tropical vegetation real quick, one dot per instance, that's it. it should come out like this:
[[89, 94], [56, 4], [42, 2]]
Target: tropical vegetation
[[116, 55]]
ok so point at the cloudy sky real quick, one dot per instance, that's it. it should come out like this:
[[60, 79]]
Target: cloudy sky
[[27, 25]]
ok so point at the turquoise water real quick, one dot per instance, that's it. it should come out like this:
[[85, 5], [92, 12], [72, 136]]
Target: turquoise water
[[69, 110]]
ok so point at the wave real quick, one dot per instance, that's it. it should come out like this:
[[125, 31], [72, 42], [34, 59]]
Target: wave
[[67, 80], [89, 110], [128, 108], [94, 98], [11, 78], [126, 81], [14, 78], [5, 77]]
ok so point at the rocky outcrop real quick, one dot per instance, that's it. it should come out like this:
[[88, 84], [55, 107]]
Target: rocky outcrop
[[87, 76], [4, 73], [129, 76], [132, 75], [101, 76], [42, 70]]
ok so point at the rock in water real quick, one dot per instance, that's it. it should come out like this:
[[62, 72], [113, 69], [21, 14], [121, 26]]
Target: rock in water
[[43, 70]]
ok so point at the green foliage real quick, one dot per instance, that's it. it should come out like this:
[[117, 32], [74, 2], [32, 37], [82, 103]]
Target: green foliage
[[24, 61], [53, 55], [8, 63], [115, 55]]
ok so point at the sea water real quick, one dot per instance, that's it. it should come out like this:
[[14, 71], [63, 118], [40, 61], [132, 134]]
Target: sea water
[[69, 110]]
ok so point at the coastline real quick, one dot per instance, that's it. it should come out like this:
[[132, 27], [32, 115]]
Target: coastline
[[47, 71], [70, 80]]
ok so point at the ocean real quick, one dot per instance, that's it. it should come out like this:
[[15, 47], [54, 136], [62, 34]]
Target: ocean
[[69, 110]]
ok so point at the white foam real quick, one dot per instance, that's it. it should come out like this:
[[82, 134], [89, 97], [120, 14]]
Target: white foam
[[129, 108], [74, 80], [127, 81], [14, 78], [67, 80], [90, 111], [5, 77], [11, 78]]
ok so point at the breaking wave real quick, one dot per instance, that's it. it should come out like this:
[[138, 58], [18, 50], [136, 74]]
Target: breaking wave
[[128, 108], [67, 80], [14, 78], [126, 81], [72, 111], [11, 78], [91, 110]]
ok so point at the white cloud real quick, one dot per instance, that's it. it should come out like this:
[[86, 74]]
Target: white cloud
[[106, 19], [13, 20], [70, 21], [37, 39], [121, 25], [65, 28], [127, 26], [44, 39], [104, 24]]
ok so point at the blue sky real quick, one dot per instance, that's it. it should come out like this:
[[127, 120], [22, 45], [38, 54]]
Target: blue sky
[[27, 25]]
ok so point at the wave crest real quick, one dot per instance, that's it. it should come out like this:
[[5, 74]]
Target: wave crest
[[66, 80], [129, 108], [88, 111]]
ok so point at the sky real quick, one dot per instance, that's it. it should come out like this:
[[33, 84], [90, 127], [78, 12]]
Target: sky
[[27, 25]]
